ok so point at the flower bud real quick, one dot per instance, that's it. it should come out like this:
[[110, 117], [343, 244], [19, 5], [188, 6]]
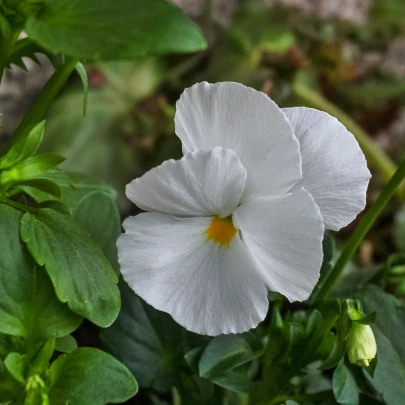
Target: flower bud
[[361, 344]]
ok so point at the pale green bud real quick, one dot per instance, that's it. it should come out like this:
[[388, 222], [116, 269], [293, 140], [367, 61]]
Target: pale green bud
[[361, 344]]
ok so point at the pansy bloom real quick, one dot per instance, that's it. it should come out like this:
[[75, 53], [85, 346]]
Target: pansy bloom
[[243, 212]]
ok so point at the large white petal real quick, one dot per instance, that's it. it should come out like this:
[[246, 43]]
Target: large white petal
[[206, 288], [284, 236], [246, 120], [201, 183], [334, 168]]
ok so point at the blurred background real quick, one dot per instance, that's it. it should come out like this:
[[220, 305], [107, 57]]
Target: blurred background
[[344, 56]]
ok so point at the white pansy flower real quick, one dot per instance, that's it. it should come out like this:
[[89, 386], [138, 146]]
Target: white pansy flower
[[243, 212]]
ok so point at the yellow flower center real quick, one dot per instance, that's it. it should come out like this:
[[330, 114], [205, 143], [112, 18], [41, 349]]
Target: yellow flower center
[[221, 230]]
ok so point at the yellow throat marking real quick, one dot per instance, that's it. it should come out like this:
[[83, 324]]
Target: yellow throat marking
[[221, 230]]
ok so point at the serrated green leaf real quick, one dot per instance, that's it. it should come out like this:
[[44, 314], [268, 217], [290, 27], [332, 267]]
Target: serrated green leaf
[[344, 386], [226, 352], [22, 148], [28, 304], [89, 376], [111, 29], [24, 48], [80, 273]]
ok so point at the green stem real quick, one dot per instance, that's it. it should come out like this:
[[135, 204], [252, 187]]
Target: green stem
[[358, 235], [14, 204], [46, 97], [374, 154]]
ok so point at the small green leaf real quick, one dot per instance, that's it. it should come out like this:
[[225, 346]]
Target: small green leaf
[[344, 386], [236, 380], [22, 148], [89, 376], [30, 168], [42, 185], [80, 273], [17, 364], [28, 304], [111, 29], [40, 361], [226, 352], [368, 319], [81, 70], [66, 344], [335, 356]]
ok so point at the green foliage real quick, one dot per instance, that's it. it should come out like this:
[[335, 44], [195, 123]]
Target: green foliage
[[20, 149], [344, 386], [89, 376], [389, 331], [28, 304], [147, 341], [110, 29], [81, 275]]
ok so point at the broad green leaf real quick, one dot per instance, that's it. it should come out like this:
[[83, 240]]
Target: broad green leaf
[[89, 376], [111, 29], [17, 365], [30, 168], [226, 352], [80, 273], [344, 386], [22, 148], [66, 344], [389, 331], [147, 341], [28, 304]]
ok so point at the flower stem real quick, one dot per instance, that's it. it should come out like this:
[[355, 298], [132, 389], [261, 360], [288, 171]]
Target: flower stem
[[46, 97], [358, 235], [374, 154]]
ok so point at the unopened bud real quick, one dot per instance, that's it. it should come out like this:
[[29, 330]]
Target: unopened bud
[[361, 344]]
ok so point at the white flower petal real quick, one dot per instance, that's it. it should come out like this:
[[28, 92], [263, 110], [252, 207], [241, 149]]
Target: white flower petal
[[201, 183], [284, 236], [246, 120], [207, 288], [334, 168]]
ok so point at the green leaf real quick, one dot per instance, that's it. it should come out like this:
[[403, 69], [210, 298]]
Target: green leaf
[[28, 304], [344, 386], [24, 48], [147, 341], [40, 361], [66, 344], [236, 380], [111, 29], [80, 273], [93, 206], [81, 70], [336, 355], [389, 331], [18, 150], [16, 364], [89, 376], [226, 352], [30, 168]]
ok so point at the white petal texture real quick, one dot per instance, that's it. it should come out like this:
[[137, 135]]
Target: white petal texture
[[334, 167], [201, 183], [207, 288], [284, 236], [250, 123]]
